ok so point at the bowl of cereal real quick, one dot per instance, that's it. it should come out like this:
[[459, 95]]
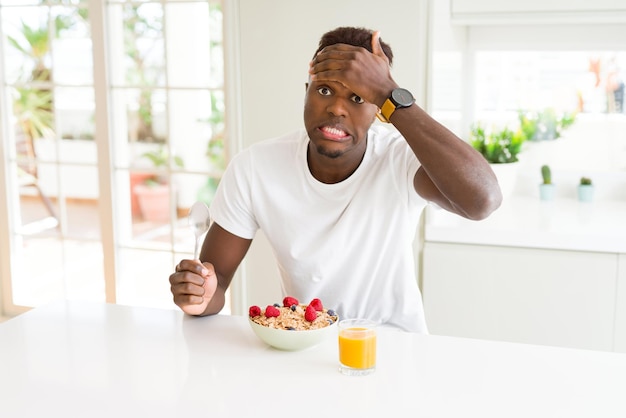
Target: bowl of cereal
[[293, 326]]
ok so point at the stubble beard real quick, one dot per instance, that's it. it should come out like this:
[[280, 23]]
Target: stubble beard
[[328, 153]]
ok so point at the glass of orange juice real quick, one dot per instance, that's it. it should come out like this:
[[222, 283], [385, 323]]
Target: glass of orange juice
[[357, 347]]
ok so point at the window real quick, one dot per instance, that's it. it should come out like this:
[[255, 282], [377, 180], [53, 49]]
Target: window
[[104, 161], [491, 71]]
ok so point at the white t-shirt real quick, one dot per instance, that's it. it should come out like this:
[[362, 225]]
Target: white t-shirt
[[348, 244]]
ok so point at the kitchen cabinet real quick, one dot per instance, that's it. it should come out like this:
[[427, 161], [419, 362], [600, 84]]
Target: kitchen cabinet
[[474, 12], [620, 311], [529, 295]]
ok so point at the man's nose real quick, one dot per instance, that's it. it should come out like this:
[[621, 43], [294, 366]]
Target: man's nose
[[338, 106]]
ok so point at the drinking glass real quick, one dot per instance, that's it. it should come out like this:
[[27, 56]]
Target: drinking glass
[[357, 347]]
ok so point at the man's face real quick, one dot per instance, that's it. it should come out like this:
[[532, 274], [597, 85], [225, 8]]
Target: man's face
[[336, 119]]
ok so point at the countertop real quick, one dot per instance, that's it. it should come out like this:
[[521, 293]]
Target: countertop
[[563, 224], [90, 359]]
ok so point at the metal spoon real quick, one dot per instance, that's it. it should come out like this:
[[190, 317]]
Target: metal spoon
[[199, 221]]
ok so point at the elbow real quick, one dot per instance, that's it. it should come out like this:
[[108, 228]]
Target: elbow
[[486, 205]]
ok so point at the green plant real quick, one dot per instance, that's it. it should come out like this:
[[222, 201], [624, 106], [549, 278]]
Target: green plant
[[34, 104], [545, 124], [498, 147], [34, 113], [160, 158], [140, 41], [546, 174], [585, 181]]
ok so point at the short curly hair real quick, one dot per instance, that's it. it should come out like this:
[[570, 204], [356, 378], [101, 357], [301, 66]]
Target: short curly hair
[[353, 36]]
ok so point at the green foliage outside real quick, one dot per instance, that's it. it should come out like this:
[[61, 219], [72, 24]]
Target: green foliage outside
[[504, 145]]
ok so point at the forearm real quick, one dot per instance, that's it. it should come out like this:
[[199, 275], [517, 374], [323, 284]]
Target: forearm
[[462, 177]]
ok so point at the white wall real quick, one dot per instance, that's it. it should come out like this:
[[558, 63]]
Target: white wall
[[276, 41]]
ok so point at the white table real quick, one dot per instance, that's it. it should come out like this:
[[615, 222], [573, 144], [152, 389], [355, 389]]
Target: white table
[[79, 359]]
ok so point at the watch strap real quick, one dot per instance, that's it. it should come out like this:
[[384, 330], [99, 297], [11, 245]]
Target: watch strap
[[386, 111]]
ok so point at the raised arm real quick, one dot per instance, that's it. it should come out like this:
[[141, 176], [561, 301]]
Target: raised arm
[[199, 288], [452, 173]]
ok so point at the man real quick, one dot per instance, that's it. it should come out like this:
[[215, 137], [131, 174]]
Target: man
[[340, 202]]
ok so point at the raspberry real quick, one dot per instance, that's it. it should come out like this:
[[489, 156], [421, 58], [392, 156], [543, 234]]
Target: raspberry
[[288, 301], [317, 304], [310, 314], [254, 311], [271, 311]]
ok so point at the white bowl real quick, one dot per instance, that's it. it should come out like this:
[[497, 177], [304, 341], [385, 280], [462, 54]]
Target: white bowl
[[293, 340]]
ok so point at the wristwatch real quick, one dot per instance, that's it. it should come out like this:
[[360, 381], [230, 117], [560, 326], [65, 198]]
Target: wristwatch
[[399, 98]]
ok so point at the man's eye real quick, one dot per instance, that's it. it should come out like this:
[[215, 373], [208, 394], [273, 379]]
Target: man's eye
[[324, 91], [357, 99]]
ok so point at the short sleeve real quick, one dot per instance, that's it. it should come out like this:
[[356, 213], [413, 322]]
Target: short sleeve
[[231, 207]]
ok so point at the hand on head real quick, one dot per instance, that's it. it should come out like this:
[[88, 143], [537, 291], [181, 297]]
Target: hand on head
[[365, 73]]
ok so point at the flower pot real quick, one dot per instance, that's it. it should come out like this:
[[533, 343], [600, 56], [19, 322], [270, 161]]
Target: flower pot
[[585, 192], [154, 202], [506, 174], [547, 192], [136, 179]]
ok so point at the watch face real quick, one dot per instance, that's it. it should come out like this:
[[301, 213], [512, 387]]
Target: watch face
[[402, 97]]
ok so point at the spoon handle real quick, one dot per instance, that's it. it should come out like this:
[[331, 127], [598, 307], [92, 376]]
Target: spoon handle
[[196, 249]]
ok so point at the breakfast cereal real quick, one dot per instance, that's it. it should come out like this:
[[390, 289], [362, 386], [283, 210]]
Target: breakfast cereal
[[292, 317]]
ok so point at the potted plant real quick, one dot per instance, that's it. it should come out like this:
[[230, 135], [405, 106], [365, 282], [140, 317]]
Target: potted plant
[[501, 149], [546, 188], [585, 190], [497, 146], [154, 192]]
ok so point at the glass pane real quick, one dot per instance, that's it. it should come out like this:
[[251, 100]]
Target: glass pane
[[25, 31], [84, 272], [72, 49], [590, 82], [137, 44], [69, 2], [28, 33], [195, 117], [189, 41], [75, 113], [32, 113], [138, 124], [64, 270], [38, 212], [37, 283], [83, 221], [125, 1], [153, 200], [144, 115], [19, 2], [577, 95], [144, 278]]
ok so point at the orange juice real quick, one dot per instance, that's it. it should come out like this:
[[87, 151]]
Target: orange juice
[[357, 348]]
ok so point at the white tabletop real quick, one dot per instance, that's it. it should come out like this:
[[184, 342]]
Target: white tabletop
[[79, 359]]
